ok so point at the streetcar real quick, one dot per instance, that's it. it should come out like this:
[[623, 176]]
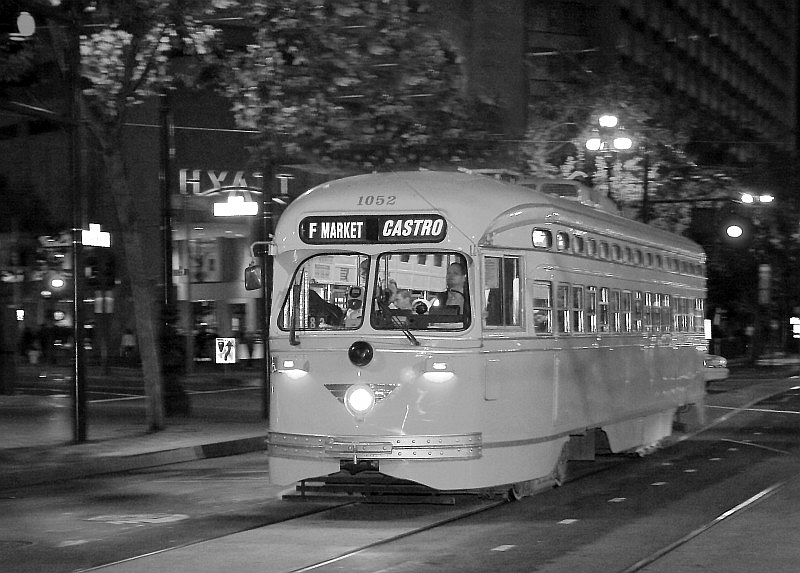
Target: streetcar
[[464, 332]]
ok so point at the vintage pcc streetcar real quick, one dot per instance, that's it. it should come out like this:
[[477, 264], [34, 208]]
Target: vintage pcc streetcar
[[571, 326]]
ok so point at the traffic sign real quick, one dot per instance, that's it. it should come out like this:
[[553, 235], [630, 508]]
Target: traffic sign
[[225, 350]]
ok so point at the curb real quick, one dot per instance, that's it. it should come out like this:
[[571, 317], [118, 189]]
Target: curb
[[113, 463]]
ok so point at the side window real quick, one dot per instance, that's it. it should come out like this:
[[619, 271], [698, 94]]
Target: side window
[[591, 308], [655, 313], [648, 306], [616, 304], [502, 291], [563, 308], [603, 310], [666, 313], [625, 310], [699, 314], [578, 312], [562, 241], [542, 307], [637, 311]]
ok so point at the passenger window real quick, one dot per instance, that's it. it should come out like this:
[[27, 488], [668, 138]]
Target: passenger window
[[563, 305], [638, 308], [577, 245], [591, 308], [625, 310], [591, 247], [603, 250], [502, 291], [615, 304], [578, 324], [542, 307], [666, 313], [562, 241]]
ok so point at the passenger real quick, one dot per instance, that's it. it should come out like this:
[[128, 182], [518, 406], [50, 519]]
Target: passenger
[[402, 300]]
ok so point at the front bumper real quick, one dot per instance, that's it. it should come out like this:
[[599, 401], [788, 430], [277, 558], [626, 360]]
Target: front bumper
[[433, 447]]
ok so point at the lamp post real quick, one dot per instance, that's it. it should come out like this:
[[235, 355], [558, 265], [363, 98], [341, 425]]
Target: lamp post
[[608, 139]]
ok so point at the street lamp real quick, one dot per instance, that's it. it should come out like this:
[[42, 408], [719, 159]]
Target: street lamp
[[609, 139]]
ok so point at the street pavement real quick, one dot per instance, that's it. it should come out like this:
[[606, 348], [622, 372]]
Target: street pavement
[[225, 418], [37, 442]]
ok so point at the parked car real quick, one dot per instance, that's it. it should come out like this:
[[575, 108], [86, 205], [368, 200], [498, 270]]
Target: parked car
[[715, 368]]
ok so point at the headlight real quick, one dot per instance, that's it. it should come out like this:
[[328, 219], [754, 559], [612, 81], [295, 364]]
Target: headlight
[[359, 399]]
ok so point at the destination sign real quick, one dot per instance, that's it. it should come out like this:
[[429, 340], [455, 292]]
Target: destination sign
[[342, 229]]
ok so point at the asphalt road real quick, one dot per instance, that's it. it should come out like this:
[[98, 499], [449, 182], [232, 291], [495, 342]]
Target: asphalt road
[[215, 512]]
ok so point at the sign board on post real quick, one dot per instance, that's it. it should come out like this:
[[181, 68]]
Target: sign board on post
[[225, 349]]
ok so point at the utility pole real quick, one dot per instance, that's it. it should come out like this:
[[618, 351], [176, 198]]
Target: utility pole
[[78, 388]]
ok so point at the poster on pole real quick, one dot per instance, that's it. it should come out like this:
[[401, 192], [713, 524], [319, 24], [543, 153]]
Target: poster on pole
[[225, 350]]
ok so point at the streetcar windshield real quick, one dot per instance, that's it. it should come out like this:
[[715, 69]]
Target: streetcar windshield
[[421, 290], [327, 292], [407, 291]]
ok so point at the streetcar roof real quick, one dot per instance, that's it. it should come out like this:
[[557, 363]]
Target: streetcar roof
[[476, 208]]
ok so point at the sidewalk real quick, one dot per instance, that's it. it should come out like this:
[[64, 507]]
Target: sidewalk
[[37, 430]]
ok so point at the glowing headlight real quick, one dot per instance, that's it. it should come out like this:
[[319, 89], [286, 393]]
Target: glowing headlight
[[437, 371], [293, 368], [359, 399]]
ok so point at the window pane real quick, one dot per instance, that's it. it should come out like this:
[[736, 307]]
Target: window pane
[[562, 302], [542, 238], [578, 312], [502, 291], [327, 292], [409, 292], [542, 307]]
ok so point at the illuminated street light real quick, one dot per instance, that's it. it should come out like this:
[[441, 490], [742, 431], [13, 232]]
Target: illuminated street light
[[608, 120], [749, 198], [734, 231], [622, 142], [26, 27]]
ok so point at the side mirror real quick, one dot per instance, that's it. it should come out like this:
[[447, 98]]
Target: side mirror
[[253, 277]]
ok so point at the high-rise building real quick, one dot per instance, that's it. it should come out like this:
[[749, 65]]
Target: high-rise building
[[735, 59]]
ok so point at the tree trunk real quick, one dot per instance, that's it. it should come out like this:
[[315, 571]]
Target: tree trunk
[[147, 309]]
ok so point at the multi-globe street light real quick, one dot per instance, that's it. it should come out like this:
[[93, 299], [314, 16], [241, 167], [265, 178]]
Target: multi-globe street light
[[608, 139]]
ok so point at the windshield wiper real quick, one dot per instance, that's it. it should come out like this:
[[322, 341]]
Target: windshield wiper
[[384, 306]]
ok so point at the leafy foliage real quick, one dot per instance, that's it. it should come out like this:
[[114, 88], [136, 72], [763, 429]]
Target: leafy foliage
[[359, 83]]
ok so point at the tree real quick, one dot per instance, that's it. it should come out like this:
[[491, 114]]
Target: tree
[[125, 51], [353, 83]]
